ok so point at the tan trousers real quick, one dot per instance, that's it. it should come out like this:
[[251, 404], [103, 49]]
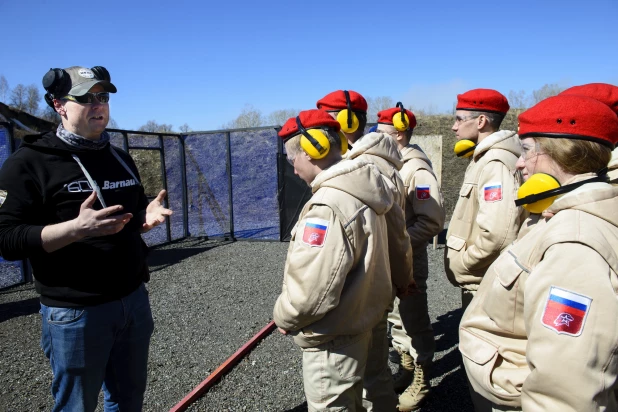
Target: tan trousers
[[412, 332], [378, 392], [333, 373]]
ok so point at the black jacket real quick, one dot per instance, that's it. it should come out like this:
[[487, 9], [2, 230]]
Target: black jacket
[[43, 185]]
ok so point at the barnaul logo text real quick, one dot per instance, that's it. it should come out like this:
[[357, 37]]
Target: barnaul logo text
[[120, 183]]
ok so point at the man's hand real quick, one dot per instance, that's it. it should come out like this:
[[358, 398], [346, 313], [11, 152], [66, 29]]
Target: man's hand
[[283, 331], [91, 223], [155, 213]]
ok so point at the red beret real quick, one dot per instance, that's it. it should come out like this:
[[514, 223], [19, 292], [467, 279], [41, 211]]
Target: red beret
[[570, 117], [483, 100], [310, 119], [386, 116], [336, 101], [603, 92]]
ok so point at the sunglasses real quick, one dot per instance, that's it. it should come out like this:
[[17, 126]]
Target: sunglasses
[[89, 98]]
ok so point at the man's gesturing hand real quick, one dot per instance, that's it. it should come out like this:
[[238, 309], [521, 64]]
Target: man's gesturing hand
[[92, 222], [155, 212]]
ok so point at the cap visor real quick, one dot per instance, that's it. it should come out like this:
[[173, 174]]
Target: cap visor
[[83, 88]]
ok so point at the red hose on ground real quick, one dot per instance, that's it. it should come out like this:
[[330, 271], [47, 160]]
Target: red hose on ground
[[223, 368]]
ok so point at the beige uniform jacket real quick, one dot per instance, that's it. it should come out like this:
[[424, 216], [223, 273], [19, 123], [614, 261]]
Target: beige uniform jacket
[[613, 167], [424, 211], [379, 149], [485, 219], [542, 331], [337, 274]]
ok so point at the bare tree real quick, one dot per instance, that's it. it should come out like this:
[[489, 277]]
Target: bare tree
[[112, 124], [249, 117], [279, 117], [150, 126], [518, 99], [548, 90], [4, 88], [33, 97], [153, 127], [185, 128], [19, 97], [377, 104], [49, 114]]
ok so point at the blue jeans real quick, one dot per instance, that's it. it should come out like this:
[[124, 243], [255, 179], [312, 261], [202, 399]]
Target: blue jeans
[[94, 347]]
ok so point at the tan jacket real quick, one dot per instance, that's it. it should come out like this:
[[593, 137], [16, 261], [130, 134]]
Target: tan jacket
[[424, 211], [379, 149], [613, 167], [485, 219], [337, 280], [523, 349]]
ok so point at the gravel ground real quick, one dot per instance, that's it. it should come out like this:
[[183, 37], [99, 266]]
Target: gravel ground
[[209, 298]]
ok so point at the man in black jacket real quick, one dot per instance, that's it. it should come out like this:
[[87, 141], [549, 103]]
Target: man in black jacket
[[74, 206]]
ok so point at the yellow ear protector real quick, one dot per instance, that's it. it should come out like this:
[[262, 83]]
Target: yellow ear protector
[[464, 148], [313, 141], [541, 189], [401, 121], [346, 118], [344, 142]]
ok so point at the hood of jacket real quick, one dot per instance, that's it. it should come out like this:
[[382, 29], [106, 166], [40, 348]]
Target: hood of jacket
[[503, 139], [50, 143], [413, 151], [377, 144], [597, 198], [360, 179]]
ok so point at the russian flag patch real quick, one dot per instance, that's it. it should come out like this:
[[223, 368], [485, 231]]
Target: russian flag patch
[[315, 231], [566, 312], [493, 192], [423, 192]]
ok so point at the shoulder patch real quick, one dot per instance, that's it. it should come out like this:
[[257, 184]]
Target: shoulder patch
[[565, 312], [423, 192], [3, 194], [315, 232], [492, 192]]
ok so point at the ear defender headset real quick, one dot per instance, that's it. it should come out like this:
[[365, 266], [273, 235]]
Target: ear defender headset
[[315, 143], [401, 121], [541, 189], [346, 118], [464, 148], [57, 82]]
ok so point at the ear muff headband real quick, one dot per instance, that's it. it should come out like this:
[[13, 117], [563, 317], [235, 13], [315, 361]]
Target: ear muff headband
[[313, 141], [464, 148], [544, 188], [401, 121], [346, 117]]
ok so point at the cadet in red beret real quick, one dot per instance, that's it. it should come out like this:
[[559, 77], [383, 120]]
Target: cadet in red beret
[[337, 259], [608, 94], [485, 219], [412, 332], [350, 109], [541, 332]]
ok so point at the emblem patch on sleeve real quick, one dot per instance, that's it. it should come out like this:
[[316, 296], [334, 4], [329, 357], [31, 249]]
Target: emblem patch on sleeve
[[315, 232], [423, 192], [565, 312], [493, 192], [3, 194]]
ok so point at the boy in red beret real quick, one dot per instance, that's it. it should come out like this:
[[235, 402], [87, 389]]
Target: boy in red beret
[[485, 219], [337, 283], [350, 110], [412, 332], [541, 332]]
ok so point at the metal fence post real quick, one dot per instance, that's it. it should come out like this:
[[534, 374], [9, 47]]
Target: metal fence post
[[229, 183], [168, 224], [185, 192]]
